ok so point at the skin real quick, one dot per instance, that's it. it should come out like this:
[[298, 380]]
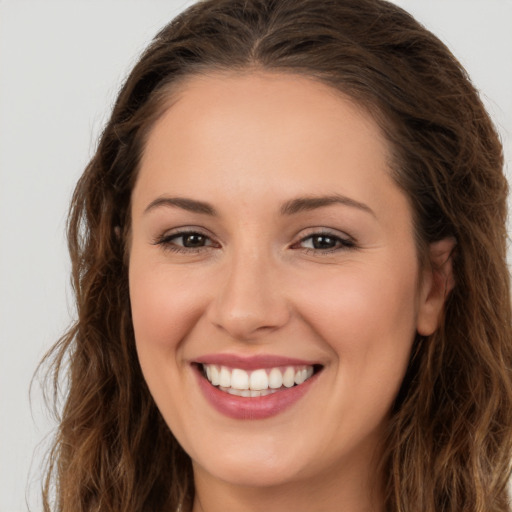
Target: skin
[[247, 144]]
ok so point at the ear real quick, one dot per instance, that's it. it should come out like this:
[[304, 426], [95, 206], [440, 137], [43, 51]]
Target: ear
[[436, 285]]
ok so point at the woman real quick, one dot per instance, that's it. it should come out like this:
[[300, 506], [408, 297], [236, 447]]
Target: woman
[[289, 263]]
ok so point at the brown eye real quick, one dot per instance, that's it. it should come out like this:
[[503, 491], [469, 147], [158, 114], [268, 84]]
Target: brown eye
[[192, 240], [325, 242], [186, 241]]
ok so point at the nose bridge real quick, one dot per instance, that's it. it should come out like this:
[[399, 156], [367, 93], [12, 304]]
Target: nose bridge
[[249, 301]]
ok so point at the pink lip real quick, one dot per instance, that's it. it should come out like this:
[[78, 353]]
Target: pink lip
[[252, 362], [256, 408]]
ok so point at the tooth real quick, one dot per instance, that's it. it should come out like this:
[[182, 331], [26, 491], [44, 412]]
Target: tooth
[[255, 393], [275, 378], [224, 377], [289, 377], [300, 377], [214, 371], [259, 380], [245, 393], [239, 379], [233, 391]]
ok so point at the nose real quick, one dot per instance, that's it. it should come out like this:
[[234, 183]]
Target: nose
[[249, 302]]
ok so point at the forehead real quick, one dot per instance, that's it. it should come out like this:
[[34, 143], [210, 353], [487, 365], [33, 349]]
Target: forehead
[[252, 133], [270, 101]]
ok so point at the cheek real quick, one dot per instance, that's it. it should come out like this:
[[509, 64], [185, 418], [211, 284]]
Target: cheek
[[357, 300], [165, 309], [165, 305], [367, 316]]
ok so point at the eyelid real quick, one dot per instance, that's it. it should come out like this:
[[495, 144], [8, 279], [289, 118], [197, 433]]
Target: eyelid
[[165, 239], [346, 241], [320, 230], [183, 230]]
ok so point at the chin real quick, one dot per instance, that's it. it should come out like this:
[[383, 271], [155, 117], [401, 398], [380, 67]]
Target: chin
[[256, 467]]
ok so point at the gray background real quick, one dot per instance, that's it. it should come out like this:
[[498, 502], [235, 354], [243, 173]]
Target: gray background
[[61, 63]]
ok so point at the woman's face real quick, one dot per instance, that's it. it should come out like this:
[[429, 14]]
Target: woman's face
[[270, 245]]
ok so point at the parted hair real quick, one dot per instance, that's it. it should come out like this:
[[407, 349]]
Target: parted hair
[[449, 438]]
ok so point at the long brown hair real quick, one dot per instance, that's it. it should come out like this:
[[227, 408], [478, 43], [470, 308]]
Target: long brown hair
[[449, 440]]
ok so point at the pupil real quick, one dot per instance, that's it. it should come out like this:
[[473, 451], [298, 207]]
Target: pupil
[[323, 242], [193, 240]]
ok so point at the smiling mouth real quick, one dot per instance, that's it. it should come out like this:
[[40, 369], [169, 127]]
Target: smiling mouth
[[258, 382]]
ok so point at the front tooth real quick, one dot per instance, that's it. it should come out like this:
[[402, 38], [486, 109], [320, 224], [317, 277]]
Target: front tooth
[[258, 380], [289, 377], [275, 378], [224, 377], [215, 376], [239, 379]]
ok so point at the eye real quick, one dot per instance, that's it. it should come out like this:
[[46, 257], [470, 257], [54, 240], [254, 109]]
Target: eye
[[185, 241], [324, 242], [191, 240]]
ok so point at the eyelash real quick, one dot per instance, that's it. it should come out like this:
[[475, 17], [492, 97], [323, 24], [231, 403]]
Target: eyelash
[[342, 244], [167, 242]]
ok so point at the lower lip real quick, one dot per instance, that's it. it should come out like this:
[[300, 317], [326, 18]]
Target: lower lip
[[255, 408]]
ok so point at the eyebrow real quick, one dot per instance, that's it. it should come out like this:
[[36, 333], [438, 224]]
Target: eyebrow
[[297, 205], [184, 203], [302, 204]]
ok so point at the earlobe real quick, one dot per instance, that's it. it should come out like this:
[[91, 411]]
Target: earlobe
[[438, 281]]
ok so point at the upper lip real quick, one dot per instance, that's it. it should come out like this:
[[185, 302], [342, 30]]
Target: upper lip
[[252, 362]]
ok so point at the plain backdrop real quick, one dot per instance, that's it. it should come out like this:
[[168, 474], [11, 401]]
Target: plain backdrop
[[61, 64]]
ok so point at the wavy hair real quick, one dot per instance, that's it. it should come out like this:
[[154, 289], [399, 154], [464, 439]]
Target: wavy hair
[[449, 440]]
